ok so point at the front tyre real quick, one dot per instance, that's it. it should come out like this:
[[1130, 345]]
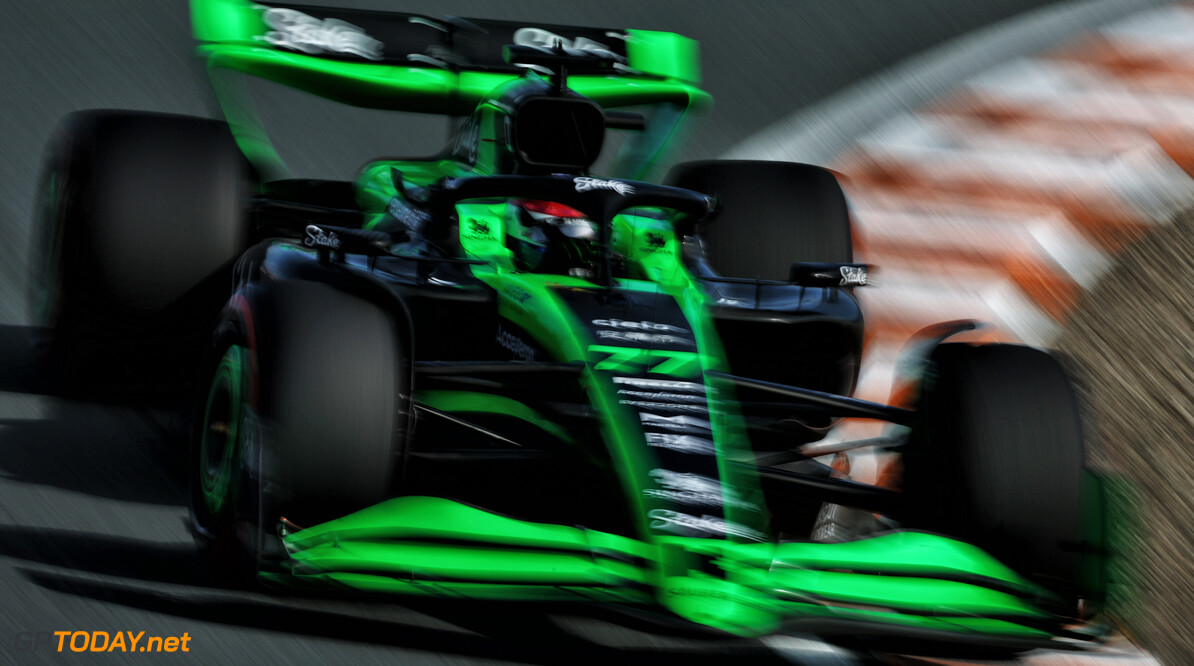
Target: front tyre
[[304, 419], [996, 458]]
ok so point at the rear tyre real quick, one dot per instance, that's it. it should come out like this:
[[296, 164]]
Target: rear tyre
[[770, 215], [314, 386], [138, 217], [996, 459]]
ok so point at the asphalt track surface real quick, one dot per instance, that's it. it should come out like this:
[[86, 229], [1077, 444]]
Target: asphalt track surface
[[92, 516]]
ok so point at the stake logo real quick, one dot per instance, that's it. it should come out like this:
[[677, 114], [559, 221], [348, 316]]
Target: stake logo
[[854, 276], [584, 184], [316, 236], [300, 32], [684, 524]]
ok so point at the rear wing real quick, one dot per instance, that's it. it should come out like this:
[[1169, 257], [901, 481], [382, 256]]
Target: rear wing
[[407, 62]]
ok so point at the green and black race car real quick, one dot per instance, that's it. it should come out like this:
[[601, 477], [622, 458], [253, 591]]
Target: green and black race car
[[496, 374]]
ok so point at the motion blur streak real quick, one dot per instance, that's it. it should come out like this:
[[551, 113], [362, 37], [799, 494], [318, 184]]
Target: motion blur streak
[[1042, 194], [1007, 199], [1012, 194]]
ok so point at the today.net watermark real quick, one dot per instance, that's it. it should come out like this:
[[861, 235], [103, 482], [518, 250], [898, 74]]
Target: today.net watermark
[[100, 641]]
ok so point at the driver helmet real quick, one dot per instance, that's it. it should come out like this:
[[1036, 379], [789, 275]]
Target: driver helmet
[[548, 237]]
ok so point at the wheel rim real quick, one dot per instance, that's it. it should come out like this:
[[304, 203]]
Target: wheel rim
[[219, 449]]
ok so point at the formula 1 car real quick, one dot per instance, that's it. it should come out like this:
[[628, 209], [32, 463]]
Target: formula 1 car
[[496, 374]]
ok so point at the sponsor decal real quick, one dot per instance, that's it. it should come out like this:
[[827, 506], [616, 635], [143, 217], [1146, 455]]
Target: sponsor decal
[[639, 325], [681, 443], [684, 497], [317, 237], [584, 184], [684, 524], [688, 488], [516, 293], [663, 397], [477, 230], [660, 384], [638, 337], [414, 218], [655, 243], [685, 481], [547, 39], [853, 276], [682, 422], [666, 406], [297, 31], [466, 141], [515, 345]]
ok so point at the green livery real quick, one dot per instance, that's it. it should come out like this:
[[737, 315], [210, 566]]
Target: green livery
[[504, 373]]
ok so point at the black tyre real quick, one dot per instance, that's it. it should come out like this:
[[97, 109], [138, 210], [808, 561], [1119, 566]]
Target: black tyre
[[996, 459], [138, 219], [770, 215], [305, 418]]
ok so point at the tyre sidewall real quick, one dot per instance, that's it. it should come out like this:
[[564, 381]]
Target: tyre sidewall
[[996, 458], [328, 391]]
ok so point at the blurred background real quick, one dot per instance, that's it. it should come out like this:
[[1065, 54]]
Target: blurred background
[[1016, 161]]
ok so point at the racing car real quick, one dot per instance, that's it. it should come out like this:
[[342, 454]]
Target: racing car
[[501, 373]]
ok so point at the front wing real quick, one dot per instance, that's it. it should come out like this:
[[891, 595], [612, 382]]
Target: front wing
[[897, 583]]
